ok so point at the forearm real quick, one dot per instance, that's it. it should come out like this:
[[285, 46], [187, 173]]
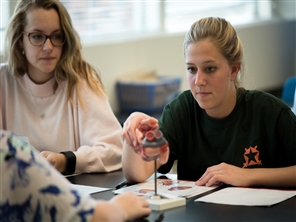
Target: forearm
[[101, 157], [99, 143], [273, 177], [134, 168]]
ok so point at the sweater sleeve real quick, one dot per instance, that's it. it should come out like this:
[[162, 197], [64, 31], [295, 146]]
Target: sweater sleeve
[[32, 190], [98, 132]]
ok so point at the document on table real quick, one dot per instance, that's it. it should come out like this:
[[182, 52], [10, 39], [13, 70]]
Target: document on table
[[247, 196], [168, 186], [84, 190]]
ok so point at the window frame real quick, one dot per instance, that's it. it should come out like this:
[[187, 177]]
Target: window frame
[[260, 15]]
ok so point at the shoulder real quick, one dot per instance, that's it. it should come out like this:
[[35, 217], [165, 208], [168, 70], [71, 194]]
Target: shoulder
[[262, 98], [90, 99], [4, 71], [84, 88], [259, 101], [6, 78]]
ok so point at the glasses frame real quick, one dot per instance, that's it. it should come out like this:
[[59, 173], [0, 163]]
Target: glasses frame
[[46, 37]]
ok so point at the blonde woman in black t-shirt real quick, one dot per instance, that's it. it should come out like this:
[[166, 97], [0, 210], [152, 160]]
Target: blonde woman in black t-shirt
[[218, 131]]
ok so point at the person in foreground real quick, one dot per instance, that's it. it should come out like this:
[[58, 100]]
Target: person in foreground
[[32, 190], [52, 96], [218, 131]]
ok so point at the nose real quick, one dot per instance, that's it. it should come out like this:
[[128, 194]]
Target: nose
[[200, 79], [47, 46]]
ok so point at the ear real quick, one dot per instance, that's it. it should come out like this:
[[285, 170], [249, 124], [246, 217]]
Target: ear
[[234, 71]]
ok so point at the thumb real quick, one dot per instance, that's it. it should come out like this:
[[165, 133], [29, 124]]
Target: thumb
[[164, 155]]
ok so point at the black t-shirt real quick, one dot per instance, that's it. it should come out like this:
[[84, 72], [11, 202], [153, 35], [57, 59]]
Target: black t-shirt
[[259, 133]]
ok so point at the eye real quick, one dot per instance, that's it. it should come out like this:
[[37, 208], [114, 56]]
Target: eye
[[37, 35], [57, 36], [192, 70], [210, 69]]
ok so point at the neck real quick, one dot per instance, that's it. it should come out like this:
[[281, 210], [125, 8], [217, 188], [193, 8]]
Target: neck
[[40, 79]]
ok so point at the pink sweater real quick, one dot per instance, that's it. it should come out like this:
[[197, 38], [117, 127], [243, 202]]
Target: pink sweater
[[92, 133]]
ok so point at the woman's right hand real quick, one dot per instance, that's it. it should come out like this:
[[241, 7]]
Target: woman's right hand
[[135, 128]]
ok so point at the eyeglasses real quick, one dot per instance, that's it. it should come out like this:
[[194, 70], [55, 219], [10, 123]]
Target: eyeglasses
[[38, 38]]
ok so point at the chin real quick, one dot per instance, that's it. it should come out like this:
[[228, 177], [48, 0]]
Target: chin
[[204, 105], [49, 67], [48, 70]]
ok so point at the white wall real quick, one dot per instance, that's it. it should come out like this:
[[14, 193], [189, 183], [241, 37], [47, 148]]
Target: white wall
[[269, 57], [269, 54]]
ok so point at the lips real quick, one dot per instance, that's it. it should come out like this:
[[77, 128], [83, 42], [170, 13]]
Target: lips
[[47, 58], [202, 94]]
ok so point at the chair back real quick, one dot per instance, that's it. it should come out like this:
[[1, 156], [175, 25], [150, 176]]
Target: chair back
[[294, 106], [288, 92]]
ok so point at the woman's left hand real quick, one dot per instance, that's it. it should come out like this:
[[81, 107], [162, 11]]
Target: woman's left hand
[[58, 160], [224, 173]]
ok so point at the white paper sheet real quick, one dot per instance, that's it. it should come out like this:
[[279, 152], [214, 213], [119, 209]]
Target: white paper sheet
[[247, 196], [84, 190], [169, 188]]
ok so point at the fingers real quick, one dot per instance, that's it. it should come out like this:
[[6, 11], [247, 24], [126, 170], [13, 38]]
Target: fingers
[[135, 127], [130, 125], [44, 154], [139, 137], [57, 160], [222, 173], [129, 133], [142, 206], [134, 130], [210, 177], [49, 157], [148, 124], [164, 155], [133, 206]]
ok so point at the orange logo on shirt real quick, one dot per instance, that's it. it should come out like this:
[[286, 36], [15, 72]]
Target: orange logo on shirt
[[251, 156]]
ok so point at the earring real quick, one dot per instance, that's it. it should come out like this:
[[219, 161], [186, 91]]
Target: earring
[[23, 52]]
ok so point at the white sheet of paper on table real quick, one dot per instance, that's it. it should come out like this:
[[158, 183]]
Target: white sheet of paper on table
[[84, 190], [177, 188], [247, 196]]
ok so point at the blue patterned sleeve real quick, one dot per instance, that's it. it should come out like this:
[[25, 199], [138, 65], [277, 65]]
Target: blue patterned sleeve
[[32, 190]]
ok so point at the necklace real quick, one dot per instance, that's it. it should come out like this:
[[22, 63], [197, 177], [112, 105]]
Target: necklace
[[41, 113]]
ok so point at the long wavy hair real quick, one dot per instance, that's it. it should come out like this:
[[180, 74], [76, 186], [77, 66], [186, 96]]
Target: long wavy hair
[[224, 37], [71, 66]]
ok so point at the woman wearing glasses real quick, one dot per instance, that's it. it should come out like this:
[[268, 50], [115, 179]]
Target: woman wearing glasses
[[54, 98]]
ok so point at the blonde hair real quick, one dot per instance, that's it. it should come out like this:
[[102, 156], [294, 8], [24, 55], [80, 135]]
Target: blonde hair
[[224, 37], [71, 66]]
